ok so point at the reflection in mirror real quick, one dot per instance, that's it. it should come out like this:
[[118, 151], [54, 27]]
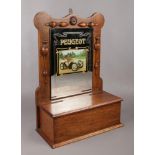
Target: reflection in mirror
[[70, 84]]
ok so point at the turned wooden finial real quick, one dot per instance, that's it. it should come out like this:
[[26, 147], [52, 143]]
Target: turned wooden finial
[[70, 11]]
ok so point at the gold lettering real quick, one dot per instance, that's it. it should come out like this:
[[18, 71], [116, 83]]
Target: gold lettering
[[83, 40], [61, 41], [72, 41]]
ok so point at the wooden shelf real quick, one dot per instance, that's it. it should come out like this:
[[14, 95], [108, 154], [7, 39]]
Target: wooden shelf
[[78, 103]]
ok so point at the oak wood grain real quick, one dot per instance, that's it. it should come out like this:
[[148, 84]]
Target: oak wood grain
[[78, 103], [77, 116]]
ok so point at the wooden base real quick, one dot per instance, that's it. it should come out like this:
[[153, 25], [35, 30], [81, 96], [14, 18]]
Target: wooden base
[[79, 117], [78, 138]]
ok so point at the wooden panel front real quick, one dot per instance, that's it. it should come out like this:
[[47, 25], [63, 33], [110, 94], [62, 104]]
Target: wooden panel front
[[85, 122], [46, 125]]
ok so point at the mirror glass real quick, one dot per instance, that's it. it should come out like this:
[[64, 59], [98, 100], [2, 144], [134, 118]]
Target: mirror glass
[[71, 61]]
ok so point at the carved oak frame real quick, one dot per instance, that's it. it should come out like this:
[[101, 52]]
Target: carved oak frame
[[104, 107], [43, 22]]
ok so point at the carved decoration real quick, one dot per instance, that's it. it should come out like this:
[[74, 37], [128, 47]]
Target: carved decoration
[[83, 24], [53, 24], [63, 24], [97, 43], [92, 24], [97, 64], [44, 52], [45, 73], [73, 20]]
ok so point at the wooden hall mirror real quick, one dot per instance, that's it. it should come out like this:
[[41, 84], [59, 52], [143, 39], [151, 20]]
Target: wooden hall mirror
[[70, 101], [71, 61]]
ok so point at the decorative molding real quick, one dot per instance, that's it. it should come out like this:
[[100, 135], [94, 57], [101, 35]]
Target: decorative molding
[[44, 53], [97, 64], [63, 24], [83, 24], [92, 24], [97, 43], [45, 74], [73, 20], [53, 24]]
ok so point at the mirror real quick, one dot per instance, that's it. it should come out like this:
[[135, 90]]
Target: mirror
[[71, 61], [70, 84]]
